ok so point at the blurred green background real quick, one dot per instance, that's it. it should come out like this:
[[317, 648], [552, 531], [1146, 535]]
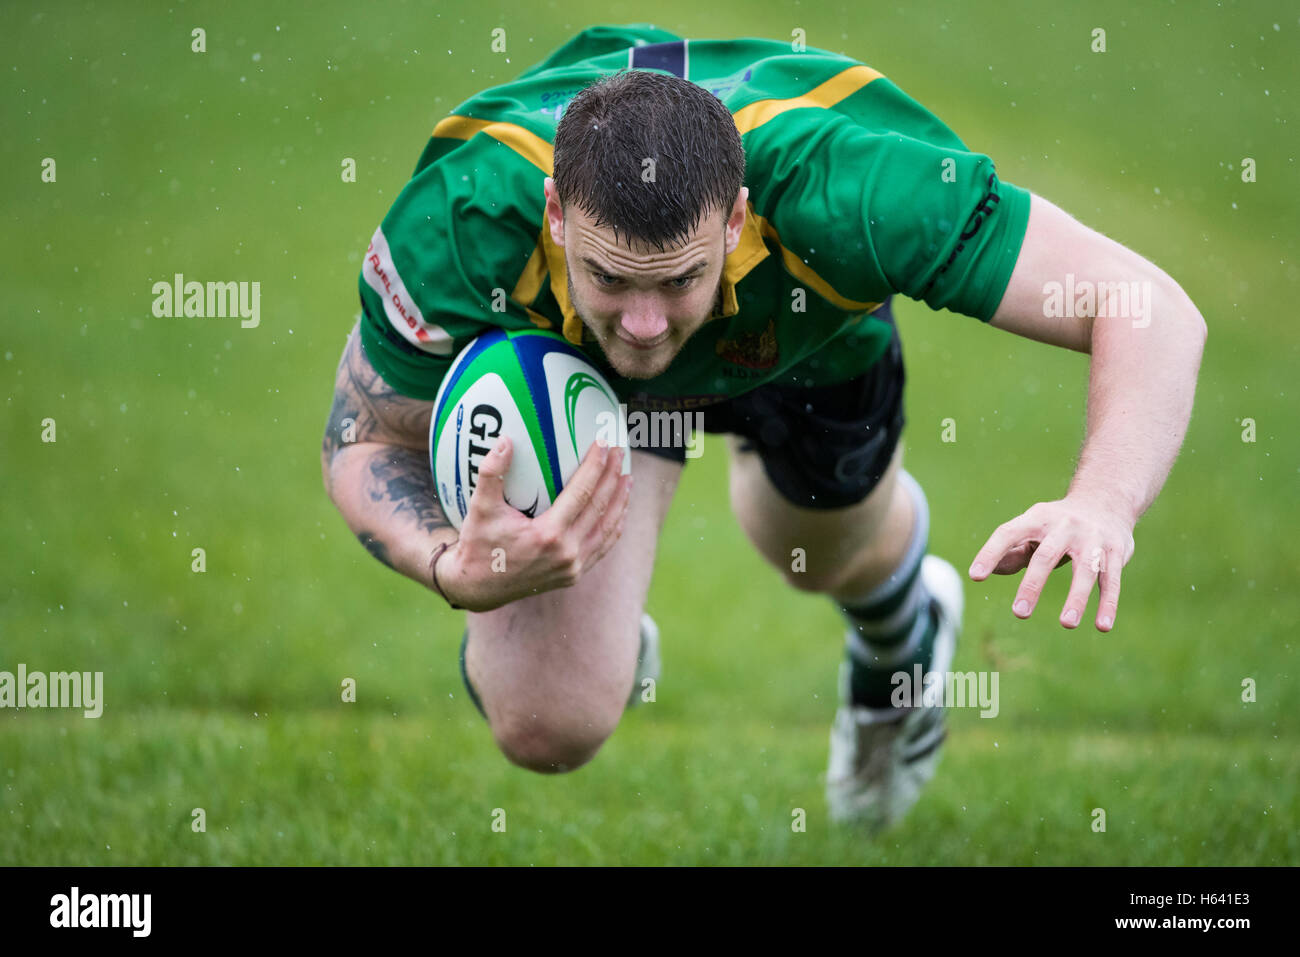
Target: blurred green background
[[222, 688]]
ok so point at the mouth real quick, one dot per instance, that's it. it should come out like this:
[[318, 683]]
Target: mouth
[[642, 344]]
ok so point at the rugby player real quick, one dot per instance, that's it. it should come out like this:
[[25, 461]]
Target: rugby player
[[721, 226]]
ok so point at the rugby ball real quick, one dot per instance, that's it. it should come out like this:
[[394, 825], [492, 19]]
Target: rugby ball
[[538, 389]]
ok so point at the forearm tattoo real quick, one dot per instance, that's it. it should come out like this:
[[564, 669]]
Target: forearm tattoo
[[375, 547], [389, 494], [402, 478], [368, 409]]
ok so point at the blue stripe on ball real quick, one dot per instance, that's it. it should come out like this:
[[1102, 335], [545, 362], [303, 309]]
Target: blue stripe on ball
[[480, 344], [531, 348]]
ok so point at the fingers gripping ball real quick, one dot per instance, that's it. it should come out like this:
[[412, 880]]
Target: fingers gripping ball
[[534, 387]]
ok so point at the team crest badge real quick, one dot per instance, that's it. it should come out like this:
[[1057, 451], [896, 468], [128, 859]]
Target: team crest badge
[[754, 350]]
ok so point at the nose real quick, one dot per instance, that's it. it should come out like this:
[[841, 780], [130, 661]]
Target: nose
[[644, 325]]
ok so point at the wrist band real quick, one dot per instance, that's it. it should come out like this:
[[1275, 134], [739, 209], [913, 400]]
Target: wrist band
[[433, 574]]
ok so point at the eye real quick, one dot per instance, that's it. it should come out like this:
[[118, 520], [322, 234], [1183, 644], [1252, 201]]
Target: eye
[[681, 282], [604, 279]]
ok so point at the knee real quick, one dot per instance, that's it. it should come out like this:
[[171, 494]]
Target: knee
[[551, 744], [805, 574], [552, 687]]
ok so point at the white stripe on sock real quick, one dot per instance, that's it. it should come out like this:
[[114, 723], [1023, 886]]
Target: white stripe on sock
[[904, 613], [882, 656]]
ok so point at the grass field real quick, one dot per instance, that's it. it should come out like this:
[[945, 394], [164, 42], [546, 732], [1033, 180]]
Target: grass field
[[222, 688]]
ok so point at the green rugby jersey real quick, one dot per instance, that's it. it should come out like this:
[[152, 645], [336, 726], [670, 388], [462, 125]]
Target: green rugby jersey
[[856, 192]]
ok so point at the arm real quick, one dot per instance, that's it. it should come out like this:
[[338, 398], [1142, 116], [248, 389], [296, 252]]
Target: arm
[[376, 470], [1146, 339], [375, 464]]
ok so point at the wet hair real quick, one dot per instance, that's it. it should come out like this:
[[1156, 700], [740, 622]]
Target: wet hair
[[649, 155]]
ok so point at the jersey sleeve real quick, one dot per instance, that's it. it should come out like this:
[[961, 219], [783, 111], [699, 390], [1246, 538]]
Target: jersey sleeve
[[941, 227], [440, 268], [874, 211]]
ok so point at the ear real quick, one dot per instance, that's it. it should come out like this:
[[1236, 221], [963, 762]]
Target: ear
[[554, 212], [736, 219]]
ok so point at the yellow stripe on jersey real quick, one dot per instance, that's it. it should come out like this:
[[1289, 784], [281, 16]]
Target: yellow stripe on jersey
[[805, 274], [528, 145], [824, 96], [529, 286]]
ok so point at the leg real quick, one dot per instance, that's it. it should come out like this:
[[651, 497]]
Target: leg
[[821, 471], [867, 557], [903, 610], [848, 552], [818, 486], [554, 672]]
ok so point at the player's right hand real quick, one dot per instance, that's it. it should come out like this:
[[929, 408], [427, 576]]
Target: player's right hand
[[502, 555]]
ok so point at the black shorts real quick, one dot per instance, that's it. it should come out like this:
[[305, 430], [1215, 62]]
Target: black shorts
[[823, 447]]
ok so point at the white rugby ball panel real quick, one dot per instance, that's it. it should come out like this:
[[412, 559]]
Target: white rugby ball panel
[[583, 407]]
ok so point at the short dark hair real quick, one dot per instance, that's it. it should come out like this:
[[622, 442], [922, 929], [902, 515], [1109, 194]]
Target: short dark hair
[[617, 123]]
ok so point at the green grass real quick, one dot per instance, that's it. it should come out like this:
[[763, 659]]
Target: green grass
[[222, 688]]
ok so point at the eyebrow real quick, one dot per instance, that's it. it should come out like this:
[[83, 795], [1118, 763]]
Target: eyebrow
[[597, 267]]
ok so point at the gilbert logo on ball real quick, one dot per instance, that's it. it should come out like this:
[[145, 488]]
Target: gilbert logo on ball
[[533, 386]]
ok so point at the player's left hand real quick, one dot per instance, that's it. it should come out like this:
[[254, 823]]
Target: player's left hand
[[1098, 540]]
